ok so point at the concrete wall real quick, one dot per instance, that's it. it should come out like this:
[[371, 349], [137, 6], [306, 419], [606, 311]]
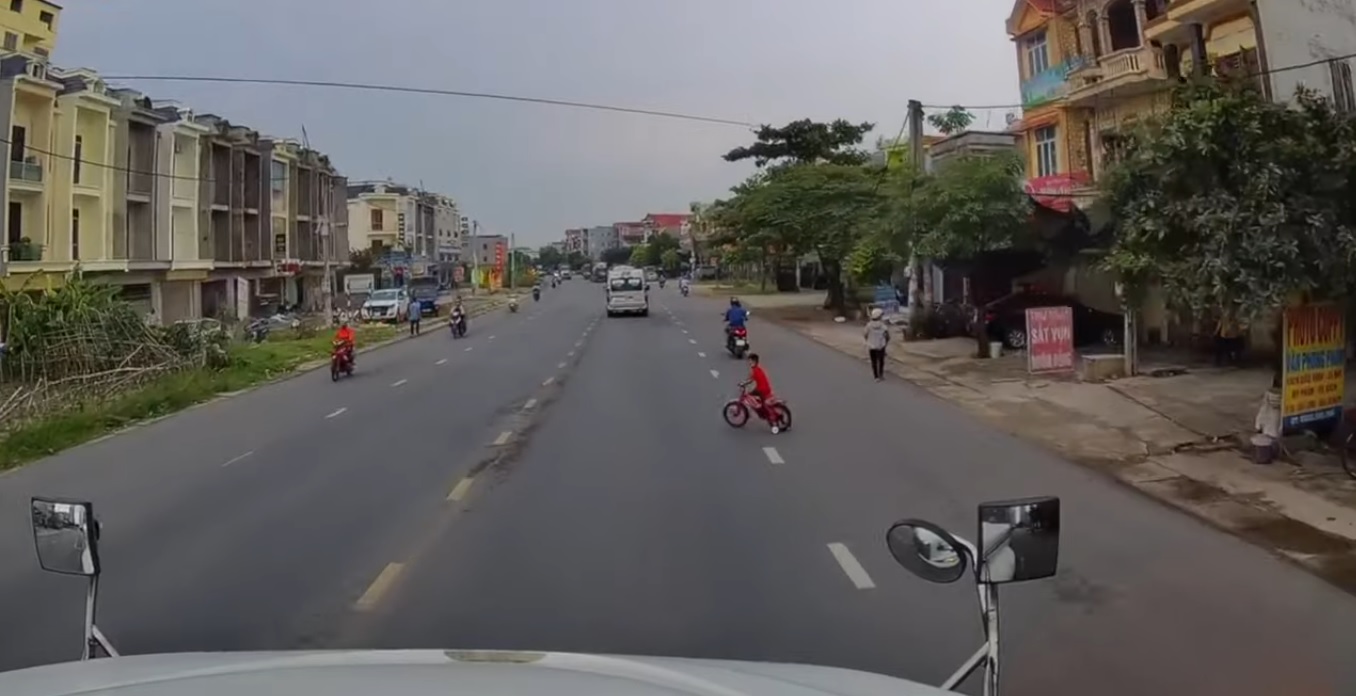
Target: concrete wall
[[1295, 32]]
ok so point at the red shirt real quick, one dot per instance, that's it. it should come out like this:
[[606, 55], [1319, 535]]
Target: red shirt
[[344, 334], [760, 381]]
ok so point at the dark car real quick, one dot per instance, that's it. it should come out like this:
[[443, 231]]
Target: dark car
[[1005, 320]]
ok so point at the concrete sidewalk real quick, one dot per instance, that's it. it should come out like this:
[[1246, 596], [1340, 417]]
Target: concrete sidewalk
[[1145, 432]]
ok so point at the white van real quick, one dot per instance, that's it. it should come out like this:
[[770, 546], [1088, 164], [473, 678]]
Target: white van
[[627, 292]]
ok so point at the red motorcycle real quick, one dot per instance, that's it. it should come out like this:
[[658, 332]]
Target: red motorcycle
[[737, 410], [738, 342], [341, 360]]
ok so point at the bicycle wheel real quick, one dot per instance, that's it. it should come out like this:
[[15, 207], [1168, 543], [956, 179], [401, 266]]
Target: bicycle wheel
[[736, 414]]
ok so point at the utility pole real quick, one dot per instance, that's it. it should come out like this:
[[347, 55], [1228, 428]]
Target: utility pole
[[918, 160], [326, 239], [475, 255], [512, 240]]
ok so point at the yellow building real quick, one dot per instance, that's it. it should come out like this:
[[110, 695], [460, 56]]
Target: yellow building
[[28, 97], [80, 211], [1224, 30], [29, 27]]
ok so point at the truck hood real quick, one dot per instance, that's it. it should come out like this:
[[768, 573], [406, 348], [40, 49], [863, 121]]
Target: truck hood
[[443, 673], [382, 303]]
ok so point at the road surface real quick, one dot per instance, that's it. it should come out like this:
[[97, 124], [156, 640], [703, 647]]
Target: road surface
[[563, 481]]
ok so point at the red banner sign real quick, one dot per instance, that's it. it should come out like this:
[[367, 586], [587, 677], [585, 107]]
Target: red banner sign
[[1049, 339], [499, 256], [1056, 191]]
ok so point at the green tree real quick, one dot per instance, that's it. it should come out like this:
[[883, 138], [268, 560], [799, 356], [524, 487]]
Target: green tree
[[670, 260], [970, 206], [616, 256], [1236, 204], [805, 142], [576, 259], [549, 256], [952, 121], [640, 255]]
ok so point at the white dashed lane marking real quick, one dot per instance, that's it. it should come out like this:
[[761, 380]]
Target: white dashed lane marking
[[399, 382], [441, 362], [773, 455], [237, 458], [337, 412], [854, 570], [503, 438]]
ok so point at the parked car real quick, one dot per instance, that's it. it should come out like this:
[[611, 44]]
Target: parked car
[[1005, 320], [386, 305]]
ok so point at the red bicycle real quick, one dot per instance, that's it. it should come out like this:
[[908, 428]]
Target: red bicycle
[[737, 410]]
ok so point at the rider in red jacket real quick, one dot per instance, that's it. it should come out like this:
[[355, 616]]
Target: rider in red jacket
[[762, 387]]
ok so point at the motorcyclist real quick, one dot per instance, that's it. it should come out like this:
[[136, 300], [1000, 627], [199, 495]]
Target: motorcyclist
[[346, 340], [683, 284], [735, 317], [458, 312], [536, 291]]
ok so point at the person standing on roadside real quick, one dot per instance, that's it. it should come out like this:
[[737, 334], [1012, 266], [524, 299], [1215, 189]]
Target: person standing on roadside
[[415, 314], [877, 336]]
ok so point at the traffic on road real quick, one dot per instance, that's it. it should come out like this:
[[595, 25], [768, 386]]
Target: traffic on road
[[559, 480]]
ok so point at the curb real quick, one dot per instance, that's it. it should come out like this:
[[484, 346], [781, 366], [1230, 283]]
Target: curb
[[1330, 557]]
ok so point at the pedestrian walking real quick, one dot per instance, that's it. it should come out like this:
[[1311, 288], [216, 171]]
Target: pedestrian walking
[[877, 336], [415, 314]]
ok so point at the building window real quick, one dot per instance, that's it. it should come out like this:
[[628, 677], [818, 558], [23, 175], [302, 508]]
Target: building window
[[1037, 55], [11, 41], [79, 152], [376, 219], [277, 177], [75, 234], [16, 5], [1047, 155], [15, 223], [1343, 91], [18, 136], [47, 18]]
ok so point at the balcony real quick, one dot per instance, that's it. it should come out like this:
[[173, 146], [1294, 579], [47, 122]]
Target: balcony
[[1123, 73], [30, 172], [1050, 84], [1174, 26], [25, 251]]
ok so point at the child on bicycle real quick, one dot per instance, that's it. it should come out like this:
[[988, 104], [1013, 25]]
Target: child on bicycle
[[762, 388]]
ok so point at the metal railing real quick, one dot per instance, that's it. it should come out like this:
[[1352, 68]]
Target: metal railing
[[25, 171]]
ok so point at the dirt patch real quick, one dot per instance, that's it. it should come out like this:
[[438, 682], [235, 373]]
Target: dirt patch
[[799, 314], [1290, 535], [1194, 491]]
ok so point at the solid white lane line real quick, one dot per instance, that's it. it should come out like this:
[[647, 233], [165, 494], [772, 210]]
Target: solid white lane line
[[854, 570], [548, 381], [460, 490], [503, 438], [399, 382], [693, 341], [560, 365], [237, 458], [441, 362], [378, 588], [715, 374], [530, 403], [773, 455], [701, 354], [338, 412]]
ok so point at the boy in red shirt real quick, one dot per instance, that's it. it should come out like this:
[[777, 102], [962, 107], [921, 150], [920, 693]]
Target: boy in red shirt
[[762, 387]]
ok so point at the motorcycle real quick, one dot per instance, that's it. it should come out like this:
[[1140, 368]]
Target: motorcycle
[[738, 409], [513, 304], [341, 360], [738, 342], [257, 331], [1019, 542], [458, 325], [536, 294], [684, 290]]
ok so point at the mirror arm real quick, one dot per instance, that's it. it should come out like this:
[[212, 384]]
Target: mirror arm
[[955, 680]]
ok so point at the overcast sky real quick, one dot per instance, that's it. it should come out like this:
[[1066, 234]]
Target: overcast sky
[[536, 170]]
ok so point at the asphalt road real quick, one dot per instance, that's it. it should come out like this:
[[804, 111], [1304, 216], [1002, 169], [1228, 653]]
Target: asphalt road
[[617, 513]]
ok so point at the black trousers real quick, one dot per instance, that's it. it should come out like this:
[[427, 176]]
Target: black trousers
[[877, 362]]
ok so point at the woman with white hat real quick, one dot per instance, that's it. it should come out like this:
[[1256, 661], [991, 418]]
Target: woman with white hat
[[877, 336]]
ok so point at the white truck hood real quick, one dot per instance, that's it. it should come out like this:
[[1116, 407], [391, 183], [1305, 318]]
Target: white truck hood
[[442, 673]]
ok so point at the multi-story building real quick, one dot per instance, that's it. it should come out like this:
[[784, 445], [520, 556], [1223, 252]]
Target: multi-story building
[[600, 239], [29, 115], [29, 27], [576, 240], [630, 233]]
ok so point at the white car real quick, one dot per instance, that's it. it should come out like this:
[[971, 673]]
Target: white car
[[627, 292], [386, 305]]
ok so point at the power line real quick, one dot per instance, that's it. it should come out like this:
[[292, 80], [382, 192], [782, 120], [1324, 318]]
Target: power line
[[102, 165], [431, 90]]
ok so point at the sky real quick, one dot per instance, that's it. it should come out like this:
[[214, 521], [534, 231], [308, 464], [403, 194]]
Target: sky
[[535, 170]]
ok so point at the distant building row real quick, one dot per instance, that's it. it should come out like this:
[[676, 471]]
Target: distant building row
[[593, 241]]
